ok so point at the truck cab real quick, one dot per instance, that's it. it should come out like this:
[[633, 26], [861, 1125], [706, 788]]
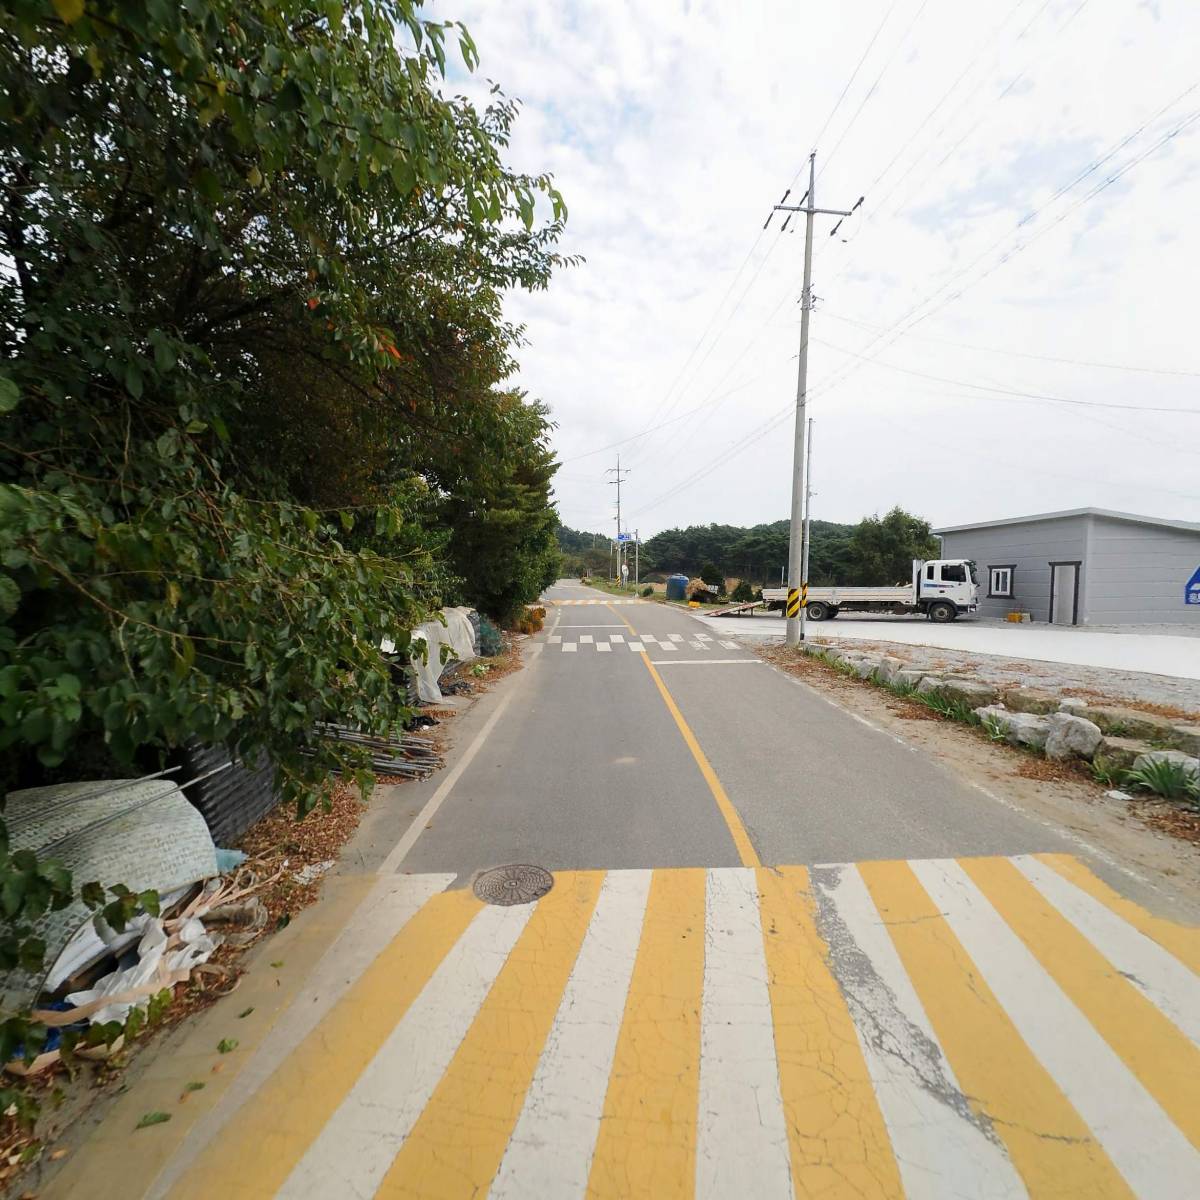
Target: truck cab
[[939, 583]]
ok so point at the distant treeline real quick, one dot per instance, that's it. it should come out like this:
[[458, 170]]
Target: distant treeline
[[876, 550]]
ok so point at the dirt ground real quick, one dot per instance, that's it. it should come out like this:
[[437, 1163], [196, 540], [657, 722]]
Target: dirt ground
[[1154, 845]]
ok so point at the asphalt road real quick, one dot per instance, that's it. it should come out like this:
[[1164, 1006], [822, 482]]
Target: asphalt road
[[780, 955], [587, 768]]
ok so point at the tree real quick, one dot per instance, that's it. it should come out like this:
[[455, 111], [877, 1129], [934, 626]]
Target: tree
[[713, 574], [743, 593], [253, 362], [882, 548]]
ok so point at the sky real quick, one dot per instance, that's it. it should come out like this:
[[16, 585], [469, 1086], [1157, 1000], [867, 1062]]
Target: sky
[[1031, 179]]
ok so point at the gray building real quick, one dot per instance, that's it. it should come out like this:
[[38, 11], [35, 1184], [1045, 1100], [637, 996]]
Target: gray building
[[1084, 566]]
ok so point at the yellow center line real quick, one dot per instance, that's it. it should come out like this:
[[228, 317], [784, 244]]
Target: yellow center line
[[741, 839]]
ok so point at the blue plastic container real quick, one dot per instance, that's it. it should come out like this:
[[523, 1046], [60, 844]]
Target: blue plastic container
[[677, 587]]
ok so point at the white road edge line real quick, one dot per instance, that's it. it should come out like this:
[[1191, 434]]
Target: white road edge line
[[391, 864]]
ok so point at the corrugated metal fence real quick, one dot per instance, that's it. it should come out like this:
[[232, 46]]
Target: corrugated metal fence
[[230, 801]]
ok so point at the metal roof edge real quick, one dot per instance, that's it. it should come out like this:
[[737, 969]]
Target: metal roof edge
[[1111, 514]]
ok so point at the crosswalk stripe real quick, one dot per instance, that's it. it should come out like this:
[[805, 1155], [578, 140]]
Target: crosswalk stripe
[[1154, 1049], [1142, 961], [636, 646], [742, 1142], [457, 1144], [986, 1028], [256, 1152], [1007, 1087], [585, 637], [604, 647], [555, 639], [1154, 1157], [942, 1147], [675, 637], [550, 1151], [1182, 941], [356, 1147], [569, 647], [839, 1145], [647, 1141], [730, 645], [669, 647], [616, 637]]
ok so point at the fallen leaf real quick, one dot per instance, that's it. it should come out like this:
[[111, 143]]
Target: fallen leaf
[[225, 1045], [152, 1118], [57, 1154], [245, 1012], [277, 964], [193, 1086]]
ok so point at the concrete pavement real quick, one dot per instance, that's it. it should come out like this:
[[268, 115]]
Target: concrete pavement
[[1158, 653], [783, 954]]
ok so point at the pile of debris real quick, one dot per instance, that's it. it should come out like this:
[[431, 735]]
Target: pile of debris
[[142, 833]]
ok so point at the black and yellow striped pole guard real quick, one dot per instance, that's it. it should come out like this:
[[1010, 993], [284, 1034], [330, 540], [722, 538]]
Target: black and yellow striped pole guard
[[793, 602]]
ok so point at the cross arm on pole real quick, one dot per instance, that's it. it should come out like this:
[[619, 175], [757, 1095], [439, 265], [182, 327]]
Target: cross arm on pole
[[833, 212]]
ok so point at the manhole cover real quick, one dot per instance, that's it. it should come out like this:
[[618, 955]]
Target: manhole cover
[[518, 884]]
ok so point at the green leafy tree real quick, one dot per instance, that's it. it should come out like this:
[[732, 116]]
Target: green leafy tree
[[250, 320], [882, 548], [743, 593]]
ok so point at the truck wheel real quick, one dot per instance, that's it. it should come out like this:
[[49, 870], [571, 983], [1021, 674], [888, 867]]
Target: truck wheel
[[942, 611], [817, 611]]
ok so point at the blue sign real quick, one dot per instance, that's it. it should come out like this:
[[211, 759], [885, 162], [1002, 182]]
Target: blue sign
[[624, 537], [1191, 593]]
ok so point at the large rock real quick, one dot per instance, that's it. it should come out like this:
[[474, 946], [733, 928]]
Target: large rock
[[1073, 705], [1190, 764], [1020, 728], [1118, 753], [1187, 738], [930, 685], [974, 692], [890, 667], [866, 666], [1132, 723], [1071, 737], [908, 677], [1030, 700]]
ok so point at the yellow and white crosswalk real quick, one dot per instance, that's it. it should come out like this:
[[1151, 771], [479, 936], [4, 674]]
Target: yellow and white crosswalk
[[978, 1027], [569, 642]]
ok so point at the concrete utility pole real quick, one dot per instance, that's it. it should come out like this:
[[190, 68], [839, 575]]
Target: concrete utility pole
[[807, 528], [797, 558], [620, 475]]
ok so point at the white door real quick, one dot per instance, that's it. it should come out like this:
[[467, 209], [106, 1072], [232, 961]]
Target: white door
[[1064, 591]]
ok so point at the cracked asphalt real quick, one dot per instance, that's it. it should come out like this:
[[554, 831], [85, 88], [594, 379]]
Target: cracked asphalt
[[785, 954]]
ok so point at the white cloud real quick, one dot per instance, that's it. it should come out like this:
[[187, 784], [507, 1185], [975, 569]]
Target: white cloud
[[672, 127]]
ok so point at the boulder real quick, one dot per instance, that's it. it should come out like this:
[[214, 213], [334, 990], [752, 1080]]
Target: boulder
[[1130, 722], [1030, 700], [1187, 738], [908, 677], [814, 649], [1118, 753], [1020, 728], [930, 684], [1190, 765], [1071, 736], [890, 667], [974, 692], [865, 667], [1072, 704]]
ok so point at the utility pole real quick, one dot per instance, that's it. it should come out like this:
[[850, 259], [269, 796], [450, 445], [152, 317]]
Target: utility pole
[[619, 476], [637, 558], [807, 528], [797, 559]]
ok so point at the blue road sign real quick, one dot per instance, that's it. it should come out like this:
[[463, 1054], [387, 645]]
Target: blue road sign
[[1191, 593]]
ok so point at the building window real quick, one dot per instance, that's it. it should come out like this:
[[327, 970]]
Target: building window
[[1000, 582]]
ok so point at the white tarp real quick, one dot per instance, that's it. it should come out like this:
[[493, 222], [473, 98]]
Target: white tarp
[[457, 635]]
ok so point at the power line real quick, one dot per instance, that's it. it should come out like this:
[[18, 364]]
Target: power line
[[1075, 362]]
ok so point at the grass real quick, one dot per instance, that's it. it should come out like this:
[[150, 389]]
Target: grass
[[1165, 778], [994, 730]]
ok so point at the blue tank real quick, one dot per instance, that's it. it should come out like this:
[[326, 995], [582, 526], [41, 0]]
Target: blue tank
[[677, 587]]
